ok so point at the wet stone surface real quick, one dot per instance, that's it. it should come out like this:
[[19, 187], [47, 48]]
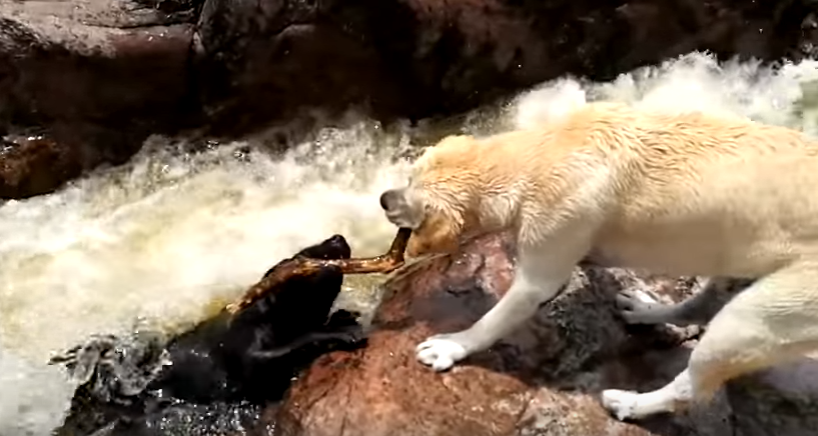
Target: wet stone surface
[[99, 76]]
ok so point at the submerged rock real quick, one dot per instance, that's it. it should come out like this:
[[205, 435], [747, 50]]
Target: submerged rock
[[223, 367], [543, 380]]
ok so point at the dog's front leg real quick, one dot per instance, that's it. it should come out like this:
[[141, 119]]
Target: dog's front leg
[[539, 276]]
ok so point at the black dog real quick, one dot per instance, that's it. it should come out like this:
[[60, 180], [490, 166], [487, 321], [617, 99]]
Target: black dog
[[254, 354], [249, 358]]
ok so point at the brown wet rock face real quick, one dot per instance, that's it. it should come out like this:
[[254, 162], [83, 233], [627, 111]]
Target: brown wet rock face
[[542, 380], [419, 58], [97, 76], [100, 75], [36, 165], [115, 64]]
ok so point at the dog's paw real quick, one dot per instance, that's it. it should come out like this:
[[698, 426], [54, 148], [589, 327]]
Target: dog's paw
[[351, 335], [621, 404], [637, 307], [442, 351]]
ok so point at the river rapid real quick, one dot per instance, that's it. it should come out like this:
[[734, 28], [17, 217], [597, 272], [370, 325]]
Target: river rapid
[[167, 239]]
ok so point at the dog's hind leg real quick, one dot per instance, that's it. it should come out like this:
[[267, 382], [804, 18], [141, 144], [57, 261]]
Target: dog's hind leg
[[696, 310], [775, 320]]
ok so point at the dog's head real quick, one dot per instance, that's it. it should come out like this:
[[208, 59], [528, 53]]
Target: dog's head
[[438, 201], [334, 247]]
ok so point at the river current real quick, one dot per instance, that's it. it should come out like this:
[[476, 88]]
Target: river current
[[165, 240]]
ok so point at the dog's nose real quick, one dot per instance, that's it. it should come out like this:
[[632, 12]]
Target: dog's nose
[[387, 199]]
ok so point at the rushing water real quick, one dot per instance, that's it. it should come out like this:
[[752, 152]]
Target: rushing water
[[169, 238]]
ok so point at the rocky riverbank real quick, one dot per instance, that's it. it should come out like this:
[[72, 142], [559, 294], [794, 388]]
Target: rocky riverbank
[[98, 76]]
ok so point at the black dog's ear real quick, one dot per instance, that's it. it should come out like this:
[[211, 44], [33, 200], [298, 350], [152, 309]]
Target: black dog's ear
[[334, 247]]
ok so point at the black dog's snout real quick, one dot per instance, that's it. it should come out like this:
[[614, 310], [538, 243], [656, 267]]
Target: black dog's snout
[[388, 199]]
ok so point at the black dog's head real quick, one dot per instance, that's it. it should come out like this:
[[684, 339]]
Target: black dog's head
[[295, 310], [302, 304], [334, 247]]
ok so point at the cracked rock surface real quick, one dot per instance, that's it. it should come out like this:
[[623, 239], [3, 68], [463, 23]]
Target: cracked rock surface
[[542, 380]]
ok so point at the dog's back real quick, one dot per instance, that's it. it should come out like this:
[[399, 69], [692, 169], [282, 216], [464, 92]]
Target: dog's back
[[694, 194]]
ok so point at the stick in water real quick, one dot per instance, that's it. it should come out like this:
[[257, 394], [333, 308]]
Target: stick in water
[[302, 266]]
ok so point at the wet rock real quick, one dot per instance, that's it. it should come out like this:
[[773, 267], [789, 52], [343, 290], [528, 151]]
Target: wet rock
[[35, 165], [267, 60], [543, 380], [144, 65], [97, 75], [100, 75], [224, 367], [113, 64]]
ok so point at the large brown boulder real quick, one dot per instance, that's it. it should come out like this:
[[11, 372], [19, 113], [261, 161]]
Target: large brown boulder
[[543, 380], [100, 75], [97, 76], [265, 60]]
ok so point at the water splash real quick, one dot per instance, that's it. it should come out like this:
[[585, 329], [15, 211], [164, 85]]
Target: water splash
[[170, 237], [691, 82]]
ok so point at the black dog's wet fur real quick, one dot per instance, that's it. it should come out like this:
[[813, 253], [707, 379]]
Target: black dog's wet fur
[[253, 356]]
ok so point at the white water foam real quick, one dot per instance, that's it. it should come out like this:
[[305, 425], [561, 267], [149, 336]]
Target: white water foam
[[168, 237]]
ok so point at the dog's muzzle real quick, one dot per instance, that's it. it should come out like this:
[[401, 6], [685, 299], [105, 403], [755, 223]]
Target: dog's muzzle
[[393, 202], [390, 199]]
